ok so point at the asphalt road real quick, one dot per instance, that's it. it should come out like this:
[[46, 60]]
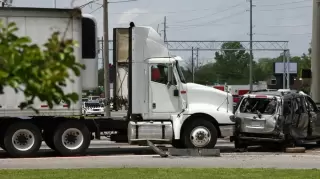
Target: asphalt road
[[147, 161], [105, 154]]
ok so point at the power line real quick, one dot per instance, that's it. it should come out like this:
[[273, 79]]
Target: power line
[[210, 14], [287, 3], [164, 12], [214, 21], [96, 9], [285, 8], [282, 34], [215, 24]]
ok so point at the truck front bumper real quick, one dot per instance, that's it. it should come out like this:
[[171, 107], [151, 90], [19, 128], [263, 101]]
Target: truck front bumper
[[227, 130], [87, 113]]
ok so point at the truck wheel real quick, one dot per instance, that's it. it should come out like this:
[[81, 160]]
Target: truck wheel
[[200, 134], [71, 138], [177, 144], [22, 139], [48, 139]]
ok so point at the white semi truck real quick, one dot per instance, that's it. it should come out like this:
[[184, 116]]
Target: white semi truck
[[163, 107]]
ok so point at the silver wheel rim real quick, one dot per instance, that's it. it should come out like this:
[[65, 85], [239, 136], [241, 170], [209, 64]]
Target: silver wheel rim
[[72, 138], [200, 136], [23, 140]]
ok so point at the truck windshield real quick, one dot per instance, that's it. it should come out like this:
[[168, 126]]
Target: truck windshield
[[258, 105], [180, 72]]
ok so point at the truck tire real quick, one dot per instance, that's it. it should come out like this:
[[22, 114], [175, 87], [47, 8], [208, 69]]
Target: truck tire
[[71, 138], [22, 139], [48, 139], [200, 134], [177, 144]]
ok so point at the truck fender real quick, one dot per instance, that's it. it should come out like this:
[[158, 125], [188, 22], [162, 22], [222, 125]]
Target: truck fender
[[179, 123]]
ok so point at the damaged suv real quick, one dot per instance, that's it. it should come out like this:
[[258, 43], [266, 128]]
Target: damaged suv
[[281, 118]]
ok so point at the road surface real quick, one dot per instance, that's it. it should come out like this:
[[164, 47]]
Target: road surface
[[305, 161], [107, 148], [106, 154]]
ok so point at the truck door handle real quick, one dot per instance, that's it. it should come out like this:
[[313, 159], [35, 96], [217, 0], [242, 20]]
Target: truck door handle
[[154, 105]]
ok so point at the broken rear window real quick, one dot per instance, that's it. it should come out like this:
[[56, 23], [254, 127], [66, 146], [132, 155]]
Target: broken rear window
[[258, 105]]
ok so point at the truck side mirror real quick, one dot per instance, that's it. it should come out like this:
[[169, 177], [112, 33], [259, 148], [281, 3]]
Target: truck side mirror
[[170, 74], [176, 92]]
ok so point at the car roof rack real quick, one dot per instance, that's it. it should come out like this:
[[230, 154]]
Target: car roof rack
[[281, 91], [262, 90]]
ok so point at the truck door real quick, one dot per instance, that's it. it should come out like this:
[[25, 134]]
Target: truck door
[[161, 90], [314, 115]]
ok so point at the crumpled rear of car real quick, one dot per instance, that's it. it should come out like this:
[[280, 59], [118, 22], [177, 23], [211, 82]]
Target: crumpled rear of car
[[257, 118]]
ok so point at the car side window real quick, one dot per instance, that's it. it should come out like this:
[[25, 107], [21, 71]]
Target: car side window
[[311, 106], [300, 106], [159, 73]]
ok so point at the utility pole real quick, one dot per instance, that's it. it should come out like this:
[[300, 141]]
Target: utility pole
[[102, 49], [165, 29], [284, 70], [288, 68], [192, 65], [251, 55], [197, 57], [106, 57], [55, 3], [315, 53]]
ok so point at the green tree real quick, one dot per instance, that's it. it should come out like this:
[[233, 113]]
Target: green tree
[[232, 63], [38, 73]]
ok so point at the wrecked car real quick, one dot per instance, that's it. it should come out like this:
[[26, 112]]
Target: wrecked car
[[275, 118]]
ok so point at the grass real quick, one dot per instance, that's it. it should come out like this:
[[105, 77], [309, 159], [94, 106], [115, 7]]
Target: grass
[[173, 173]]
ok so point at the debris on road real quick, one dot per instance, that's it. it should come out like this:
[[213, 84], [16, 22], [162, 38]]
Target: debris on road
[[295, 150]]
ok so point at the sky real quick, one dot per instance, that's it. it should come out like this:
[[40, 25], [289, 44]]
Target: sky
[[219, 20]]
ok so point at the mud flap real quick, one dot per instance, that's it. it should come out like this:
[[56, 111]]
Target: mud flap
[[157, 150]]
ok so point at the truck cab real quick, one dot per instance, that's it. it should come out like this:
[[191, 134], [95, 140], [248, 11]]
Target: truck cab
[[163, 107]]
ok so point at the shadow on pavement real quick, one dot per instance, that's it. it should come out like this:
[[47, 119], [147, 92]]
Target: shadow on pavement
[[146, 150]]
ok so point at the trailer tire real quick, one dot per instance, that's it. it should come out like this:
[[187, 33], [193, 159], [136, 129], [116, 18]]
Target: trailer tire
[[200, 134], [23, 135], [48, 139], [2, 132], [71, 138]]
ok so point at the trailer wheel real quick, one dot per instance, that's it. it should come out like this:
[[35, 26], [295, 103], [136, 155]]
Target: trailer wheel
[[48, 139], [200, 134], [71, 138], [22, 139], [2, 132]]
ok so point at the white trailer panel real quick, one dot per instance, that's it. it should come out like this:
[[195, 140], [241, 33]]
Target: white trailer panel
[[39, 25]]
